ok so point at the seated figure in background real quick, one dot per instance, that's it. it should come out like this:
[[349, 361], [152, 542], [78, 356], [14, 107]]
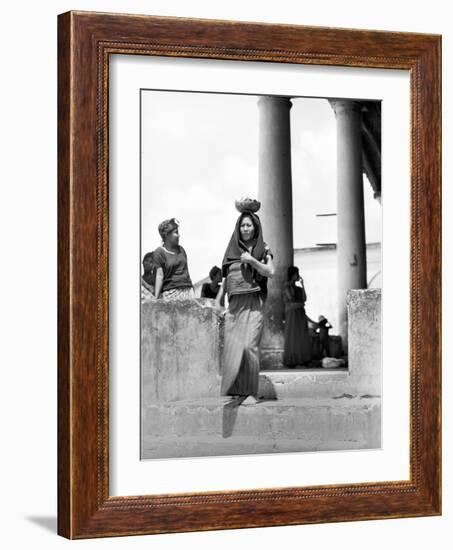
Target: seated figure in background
[[148, 278], [323, 331], [298, 347], [211, 289]]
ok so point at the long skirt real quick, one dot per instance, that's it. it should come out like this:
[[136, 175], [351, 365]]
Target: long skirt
[[297, 338], [241, 353]]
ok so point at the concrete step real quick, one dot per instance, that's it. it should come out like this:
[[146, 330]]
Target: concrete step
[[223, 426], [307, 382]]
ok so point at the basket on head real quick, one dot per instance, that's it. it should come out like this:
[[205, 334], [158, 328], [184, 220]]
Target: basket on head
[[247, 205]]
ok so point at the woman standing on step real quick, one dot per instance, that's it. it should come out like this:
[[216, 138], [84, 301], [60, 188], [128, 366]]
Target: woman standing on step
[[297, 337], [246, 266]]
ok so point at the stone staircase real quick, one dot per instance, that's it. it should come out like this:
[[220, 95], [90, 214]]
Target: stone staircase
[[299, 410], [224, 426], [305, 382]]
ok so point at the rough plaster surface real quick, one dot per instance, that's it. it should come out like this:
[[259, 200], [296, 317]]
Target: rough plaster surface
[[219, 426], [180, 350], [312, 410]]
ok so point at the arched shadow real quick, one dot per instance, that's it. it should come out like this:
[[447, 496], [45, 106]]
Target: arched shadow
[[49, 523], [230, 412]]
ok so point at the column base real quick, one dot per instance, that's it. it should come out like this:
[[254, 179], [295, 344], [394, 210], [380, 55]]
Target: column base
[[271, 359]]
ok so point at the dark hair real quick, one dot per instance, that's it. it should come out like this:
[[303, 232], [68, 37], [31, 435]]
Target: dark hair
[[292, 270], [252, 219], [148, 257], [167, 226], [213, 272]]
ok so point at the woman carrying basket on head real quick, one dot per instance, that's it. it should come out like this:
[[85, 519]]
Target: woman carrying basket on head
[[246, 266]]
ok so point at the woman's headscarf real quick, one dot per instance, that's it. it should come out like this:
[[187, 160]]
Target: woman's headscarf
[[236, 247], [167, 226], [292, 270], [149, 275]]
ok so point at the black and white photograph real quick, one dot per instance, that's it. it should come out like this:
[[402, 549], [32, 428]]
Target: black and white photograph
[[260, 274], [233, 328]]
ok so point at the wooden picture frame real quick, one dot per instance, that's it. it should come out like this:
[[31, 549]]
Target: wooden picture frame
[[85, 42]]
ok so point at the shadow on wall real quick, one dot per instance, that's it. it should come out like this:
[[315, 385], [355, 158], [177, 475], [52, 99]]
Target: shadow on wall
[[48, 523], [230, 413]]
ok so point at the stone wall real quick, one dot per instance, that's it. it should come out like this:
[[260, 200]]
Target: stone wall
[[180, 350], [182, 343], [365, 340], [184, 415]]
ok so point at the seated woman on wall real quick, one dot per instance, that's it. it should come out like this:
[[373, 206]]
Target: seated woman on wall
[[173, 281], [246, 266], [211, 289], [298, 350], [148, 278]]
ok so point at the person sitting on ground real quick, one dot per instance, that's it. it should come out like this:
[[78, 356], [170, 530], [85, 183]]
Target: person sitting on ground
[[211, 289], [316, 352], [323, 331]]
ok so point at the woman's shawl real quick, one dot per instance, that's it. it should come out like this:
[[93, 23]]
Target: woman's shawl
[[236, 247]]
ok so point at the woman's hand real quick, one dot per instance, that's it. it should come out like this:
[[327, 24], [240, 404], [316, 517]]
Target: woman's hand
[[159, 281], [246, 258], [218, 303], [219, 308]]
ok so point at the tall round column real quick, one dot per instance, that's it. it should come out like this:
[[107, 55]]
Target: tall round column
[[275, 195], [351, 249]]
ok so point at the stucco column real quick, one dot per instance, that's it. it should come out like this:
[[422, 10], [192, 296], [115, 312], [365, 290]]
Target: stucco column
[[276, 214], [351, 250]]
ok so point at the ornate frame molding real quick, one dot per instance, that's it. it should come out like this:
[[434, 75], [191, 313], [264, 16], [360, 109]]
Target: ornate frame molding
[[85, 41]]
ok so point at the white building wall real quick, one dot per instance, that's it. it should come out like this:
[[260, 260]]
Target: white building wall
[[318, 268]]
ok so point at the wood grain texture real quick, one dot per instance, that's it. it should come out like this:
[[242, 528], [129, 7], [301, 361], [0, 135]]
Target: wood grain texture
[[64, 367], [85, 42]]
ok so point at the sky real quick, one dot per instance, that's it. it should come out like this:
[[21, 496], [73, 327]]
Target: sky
[[199, 153]]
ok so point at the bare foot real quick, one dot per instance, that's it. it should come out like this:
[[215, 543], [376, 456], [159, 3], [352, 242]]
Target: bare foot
[[250, 400]]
